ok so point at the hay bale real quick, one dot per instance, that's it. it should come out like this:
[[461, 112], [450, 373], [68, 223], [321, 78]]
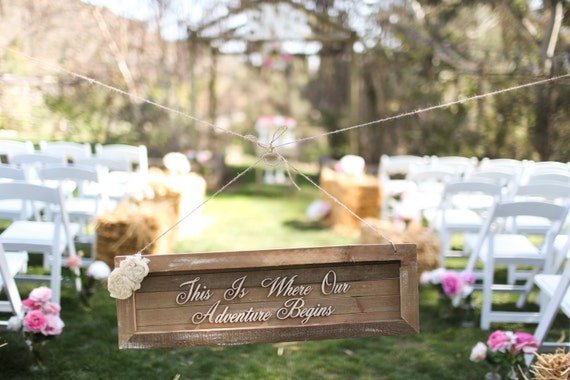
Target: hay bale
[[361, 194], [376, 231], [130, 228]]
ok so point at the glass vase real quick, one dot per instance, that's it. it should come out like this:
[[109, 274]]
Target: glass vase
[[467, 313], [35, 347], [493, 375]]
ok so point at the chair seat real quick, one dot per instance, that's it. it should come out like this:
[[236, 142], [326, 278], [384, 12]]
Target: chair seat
[[11, 209], [17, 262], [461, 220], [532, 224], [508, 247], [548, 283], [81, 207], [26, 234]]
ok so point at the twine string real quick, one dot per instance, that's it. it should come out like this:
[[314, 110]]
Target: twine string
[[269, 153]]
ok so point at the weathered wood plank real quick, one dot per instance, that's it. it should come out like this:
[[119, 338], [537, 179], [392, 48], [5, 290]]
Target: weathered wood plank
[[272, 295]]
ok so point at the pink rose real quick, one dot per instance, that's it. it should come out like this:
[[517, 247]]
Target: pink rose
[[53, 326], [29, 304], [467, 277], [525, 342], [40, 295], [451, 283], [500, 341], [52, 308], [479, 352], [35, 321], [73, 262]]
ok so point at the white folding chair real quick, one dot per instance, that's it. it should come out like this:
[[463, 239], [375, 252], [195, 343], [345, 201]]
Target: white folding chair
[[463, 209], [496, 247], [554, 291], [460, 164], [135, 156], [392, 172], [51, 236], [17, 209], [426, 186], [69, 150], [11, 263], [127, 165], [9, 148], [89, 198]]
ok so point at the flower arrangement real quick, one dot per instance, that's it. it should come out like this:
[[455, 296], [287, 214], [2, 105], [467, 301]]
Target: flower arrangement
[[88, 278], [127, 277], [505, 350], [456, 286], [40, 323]]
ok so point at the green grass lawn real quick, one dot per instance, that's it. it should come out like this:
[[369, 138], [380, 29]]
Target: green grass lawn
[[242, 219]]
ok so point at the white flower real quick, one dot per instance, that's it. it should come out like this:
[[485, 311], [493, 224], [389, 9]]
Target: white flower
[[479, 352], [128, 276], [14, 323], [119, 285], [135, 267], [99, 270]]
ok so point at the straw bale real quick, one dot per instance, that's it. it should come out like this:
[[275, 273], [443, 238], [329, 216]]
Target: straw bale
[[128, 229], [551, 366], [359, 193], [375, 231]]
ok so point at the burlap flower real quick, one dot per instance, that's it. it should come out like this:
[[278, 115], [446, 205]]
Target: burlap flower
[[127, 278]]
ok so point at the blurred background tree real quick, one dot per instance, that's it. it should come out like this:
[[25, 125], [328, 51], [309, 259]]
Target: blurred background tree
[[406, 55]]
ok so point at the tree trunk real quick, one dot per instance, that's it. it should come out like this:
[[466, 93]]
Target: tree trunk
[[545, 105]]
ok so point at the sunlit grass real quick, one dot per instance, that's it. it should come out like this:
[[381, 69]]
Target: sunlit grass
[[250, 218]]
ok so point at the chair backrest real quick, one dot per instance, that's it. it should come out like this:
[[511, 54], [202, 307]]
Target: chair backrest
[[70, 151], [503, 213], [552, 177], [136, 157], [81, 176], [12, 173], [544, 191], [9, 148], [460, 164], [398, 165], [486, 194]]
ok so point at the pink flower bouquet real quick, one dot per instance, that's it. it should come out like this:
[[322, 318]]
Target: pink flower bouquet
[[41, 322], [505, 349], [454, 285]]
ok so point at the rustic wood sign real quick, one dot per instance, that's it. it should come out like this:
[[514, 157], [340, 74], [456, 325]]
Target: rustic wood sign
[[275, 295]]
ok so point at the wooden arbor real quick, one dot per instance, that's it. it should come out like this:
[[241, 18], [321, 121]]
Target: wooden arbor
[[255, 23]]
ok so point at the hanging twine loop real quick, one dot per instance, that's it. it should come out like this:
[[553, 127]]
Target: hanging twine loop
[[269, 154]]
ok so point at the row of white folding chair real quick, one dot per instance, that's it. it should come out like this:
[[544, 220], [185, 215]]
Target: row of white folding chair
[[463, 209], [52, 236], [84, 190], [496, 245]]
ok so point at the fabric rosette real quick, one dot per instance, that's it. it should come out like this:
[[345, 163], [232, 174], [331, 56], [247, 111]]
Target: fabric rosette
[[127, 278]]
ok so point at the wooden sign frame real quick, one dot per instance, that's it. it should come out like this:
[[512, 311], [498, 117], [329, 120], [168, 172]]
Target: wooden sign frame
[[275, 295]]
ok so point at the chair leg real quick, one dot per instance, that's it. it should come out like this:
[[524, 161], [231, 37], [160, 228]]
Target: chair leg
[[55, 282], [486, 307]]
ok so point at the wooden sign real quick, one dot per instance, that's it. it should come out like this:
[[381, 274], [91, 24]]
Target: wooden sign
[[275, 295]]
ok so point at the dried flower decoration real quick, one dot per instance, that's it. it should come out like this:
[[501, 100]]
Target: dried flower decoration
[[127, 278]]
